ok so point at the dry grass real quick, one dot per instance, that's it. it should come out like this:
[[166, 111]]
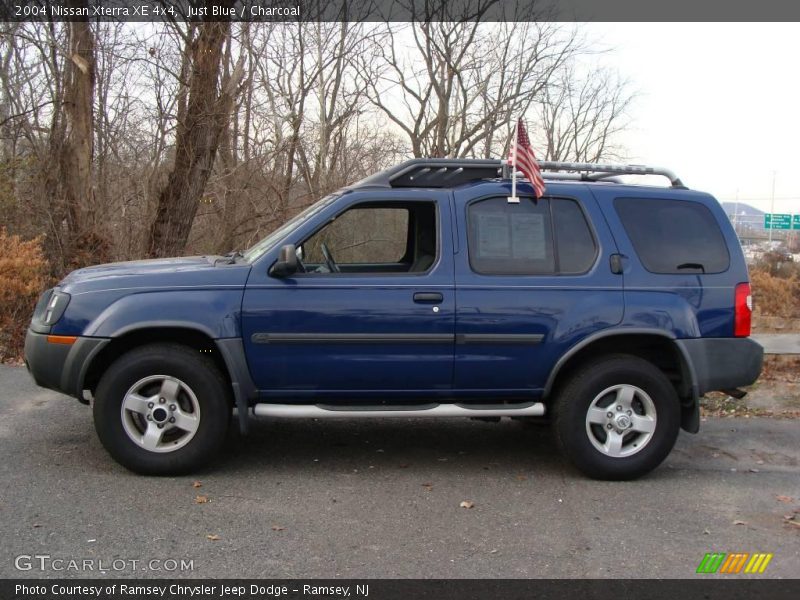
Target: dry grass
[[775, 296], [23, 276]]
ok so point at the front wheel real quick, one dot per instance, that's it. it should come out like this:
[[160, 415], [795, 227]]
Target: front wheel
[[617, 418], [162, 409]]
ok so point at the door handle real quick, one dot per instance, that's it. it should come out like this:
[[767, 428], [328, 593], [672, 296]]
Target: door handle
[[428, 297]]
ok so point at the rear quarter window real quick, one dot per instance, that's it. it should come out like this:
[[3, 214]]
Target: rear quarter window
[[674, 236]]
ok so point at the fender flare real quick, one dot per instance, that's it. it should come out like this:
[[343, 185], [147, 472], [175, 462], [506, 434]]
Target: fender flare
[[690, 413]]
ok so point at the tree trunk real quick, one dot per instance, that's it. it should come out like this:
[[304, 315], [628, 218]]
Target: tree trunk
[[75, 150], [196, 142]]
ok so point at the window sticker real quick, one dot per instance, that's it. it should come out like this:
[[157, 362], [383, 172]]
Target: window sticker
[[528, 239], [493, 236]]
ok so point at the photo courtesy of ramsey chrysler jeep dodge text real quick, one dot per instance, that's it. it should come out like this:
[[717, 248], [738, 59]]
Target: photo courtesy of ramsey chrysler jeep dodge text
[[607, 307]]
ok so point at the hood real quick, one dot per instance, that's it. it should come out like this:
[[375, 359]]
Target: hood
[[162, 273]]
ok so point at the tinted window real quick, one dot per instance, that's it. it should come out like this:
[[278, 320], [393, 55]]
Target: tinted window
[[574, 241], [517, 239], [674, 236], [507, 238]]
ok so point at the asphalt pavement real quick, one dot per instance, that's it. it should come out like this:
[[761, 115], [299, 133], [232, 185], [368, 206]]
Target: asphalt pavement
[[382, 498]]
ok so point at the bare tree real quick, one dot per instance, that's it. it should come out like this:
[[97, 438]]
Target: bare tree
[[205, 136], [474, 79], [78, 147], [580, 116], [198, 133]]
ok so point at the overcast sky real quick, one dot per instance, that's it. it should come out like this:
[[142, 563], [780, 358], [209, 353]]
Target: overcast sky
[[718, 104]]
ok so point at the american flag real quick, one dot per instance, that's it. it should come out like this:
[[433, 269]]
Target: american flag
[[523, 158]]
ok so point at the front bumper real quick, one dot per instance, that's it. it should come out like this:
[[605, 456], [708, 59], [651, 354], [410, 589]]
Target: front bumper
[[61, 367]]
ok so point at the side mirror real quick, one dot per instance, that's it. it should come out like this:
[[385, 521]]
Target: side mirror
[[287, 262]]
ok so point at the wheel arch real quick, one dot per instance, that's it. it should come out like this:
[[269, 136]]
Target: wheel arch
[[134, 337], [654, 345]]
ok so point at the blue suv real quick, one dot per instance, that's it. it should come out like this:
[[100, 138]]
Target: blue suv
[[423, 290]]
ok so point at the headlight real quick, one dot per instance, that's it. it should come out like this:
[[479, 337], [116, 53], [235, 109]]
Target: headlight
[[56, 306]]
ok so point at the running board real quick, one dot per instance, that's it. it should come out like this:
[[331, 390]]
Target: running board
[[316, 411]]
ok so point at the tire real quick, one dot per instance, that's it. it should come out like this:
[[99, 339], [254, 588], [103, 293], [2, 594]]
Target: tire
[[162, 409], [641, 434]]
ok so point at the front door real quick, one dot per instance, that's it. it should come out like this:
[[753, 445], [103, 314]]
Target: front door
[[372, 316]]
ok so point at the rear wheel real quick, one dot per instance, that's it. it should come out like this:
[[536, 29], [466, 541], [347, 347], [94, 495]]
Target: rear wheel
[[617, 418], [162, 409]]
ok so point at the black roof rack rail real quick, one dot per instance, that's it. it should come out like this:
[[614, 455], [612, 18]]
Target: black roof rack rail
[[450, 172], [435, 172]]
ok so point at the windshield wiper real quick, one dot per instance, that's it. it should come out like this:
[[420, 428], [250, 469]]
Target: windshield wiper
[[691, 266]]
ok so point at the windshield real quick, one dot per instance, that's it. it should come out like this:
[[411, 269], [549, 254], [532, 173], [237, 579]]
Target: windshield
[[266, 243]]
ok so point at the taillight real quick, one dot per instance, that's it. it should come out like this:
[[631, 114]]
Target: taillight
[[743, 310]]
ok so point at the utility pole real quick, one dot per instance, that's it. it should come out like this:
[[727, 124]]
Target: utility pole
[[772, 208]]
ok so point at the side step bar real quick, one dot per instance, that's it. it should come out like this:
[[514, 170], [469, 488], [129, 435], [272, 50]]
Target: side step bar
[[317, 411]]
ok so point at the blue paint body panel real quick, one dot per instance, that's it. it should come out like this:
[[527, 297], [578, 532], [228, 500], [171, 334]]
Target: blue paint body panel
[[348, 337], [376, 305]]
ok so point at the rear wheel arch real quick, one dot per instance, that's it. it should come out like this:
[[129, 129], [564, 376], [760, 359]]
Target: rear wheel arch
[[655, 346]]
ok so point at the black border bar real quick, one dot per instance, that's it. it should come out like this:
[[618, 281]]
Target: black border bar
[[405, 10], [702, 587]]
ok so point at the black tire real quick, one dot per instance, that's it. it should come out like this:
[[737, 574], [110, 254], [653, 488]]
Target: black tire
[[574, 399], [211, 393]]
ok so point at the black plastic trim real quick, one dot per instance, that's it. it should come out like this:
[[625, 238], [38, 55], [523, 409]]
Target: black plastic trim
[[60, 367], [499, 338], [352, 338], [723, 363], [244, 389]]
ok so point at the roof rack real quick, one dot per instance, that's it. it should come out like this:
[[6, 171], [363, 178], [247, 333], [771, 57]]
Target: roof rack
[[450, 172], [598, 171], [436, 172]]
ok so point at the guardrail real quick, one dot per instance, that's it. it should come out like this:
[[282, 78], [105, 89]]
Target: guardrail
[[779, 343]]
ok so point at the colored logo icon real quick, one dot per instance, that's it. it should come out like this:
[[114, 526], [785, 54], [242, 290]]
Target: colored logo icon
[[734, 563]]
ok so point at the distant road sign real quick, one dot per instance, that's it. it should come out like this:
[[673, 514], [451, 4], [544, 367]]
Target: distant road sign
[[778, 221], [796, 222]]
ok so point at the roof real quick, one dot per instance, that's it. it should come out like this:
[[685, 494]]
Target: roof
[[452, 172]]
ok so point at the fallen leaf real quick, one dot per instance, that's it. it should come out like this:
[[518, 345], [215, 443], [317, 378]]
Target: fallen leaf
[[213, 537], [277, 528], [201, 500], [36, 525], [521, 477], [781, 498], [466, 504], [706, 532], [428, 486], [754, 471], [197, 484], [403, 466], [738, 522]]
